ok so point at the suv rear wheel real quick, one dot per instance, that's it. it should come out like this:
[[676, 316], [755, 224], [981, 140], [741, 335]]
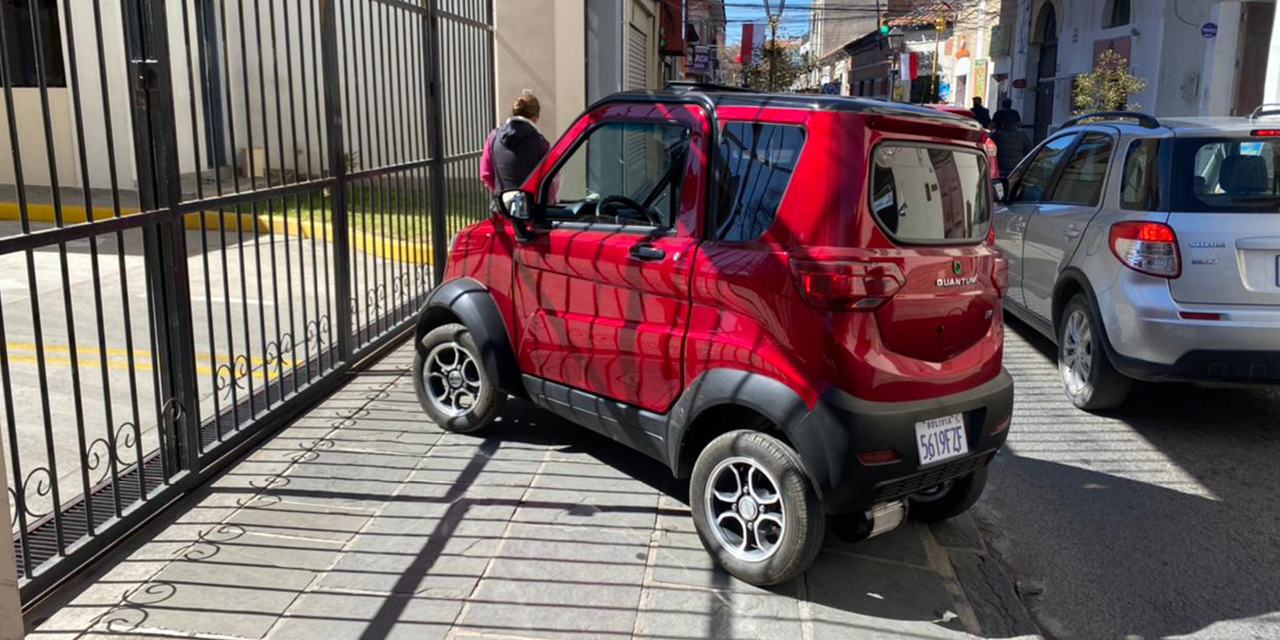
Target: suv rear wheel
[[755, 509], [1090, 380], [451, 382]]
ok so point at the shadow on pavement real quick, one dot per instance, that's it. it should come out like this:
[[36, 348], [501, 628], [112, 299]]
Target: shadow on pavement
[[1155, 520]]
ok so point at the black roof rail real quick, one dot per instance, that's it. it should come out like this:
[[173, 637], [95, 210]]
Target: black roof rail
[[1144, 119], [707, 87]]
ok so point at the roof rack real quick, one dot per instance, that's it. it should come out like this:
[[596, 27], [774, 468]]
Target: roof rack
[[1264, 110], [1143, 119], [709, 87]]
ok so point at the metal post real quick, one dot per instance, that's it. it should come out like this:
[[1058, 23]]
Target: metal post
[[10, 602], [439, 244], [338, 169]]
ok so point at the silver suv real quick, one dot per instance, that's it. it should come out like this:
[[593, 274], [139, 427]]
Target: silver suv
[[1149, 249]]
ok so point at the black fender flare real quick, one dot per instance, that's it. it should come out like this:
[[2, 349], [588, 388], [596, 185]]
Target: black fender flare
[[765, 395], [468, 300]]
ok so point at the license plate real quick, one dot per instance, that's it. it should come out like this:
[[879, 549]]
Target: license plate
[[941, 439]]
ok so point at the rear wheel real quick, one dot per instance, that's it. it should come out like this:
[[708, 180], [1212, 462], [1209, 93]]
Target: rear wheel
[[755, 509], [949, 499], [451, 383], [1088, 377]]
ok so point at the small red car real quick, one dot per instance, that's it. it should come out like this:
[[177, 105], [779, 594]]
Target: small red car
[[793, 301]]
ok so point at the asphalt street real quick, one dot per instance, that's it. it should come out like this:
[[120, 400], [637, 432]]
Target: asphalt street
[[1157, 520]]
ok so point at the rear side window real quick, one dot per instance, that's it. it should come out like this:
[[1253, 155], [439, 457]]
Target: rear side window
[[756, 163], [1140, 182], [1229, 175], [1033, 184], [930, 195], [1084, 173]]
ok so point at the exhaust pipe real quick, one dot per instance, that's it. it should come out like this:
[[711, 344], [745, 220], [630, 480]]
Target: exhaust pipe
[[886, 516], [879, 519]]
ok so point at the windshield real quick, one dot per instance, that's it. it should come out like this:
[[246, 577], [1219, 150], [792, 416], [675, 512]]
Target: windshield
[[1230, 175], [930, 195]]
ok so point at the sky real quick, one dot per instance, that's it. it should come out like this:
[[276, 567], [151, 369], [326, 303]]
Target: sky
[[795, 17]]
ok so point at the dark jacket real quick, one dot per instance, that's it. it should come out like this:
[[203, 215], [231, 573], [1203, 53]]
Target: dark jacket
[[513, 150], [1011, 145], [982, 116], [1005, 117]]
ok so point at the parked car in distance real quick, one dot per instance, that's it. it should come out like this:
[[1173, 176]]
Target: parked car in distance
[[1149, 249], [792, 301]]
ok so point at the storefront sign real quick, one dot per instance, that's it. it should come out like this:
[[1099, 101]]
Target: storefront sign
[[980, 78], [1020, 83], [1209, 30], [700, 61], [671, 28]]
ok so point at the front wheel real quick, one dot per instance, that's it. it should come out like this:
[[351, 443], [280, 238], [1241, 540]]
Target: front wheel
[[755, 509], [451, 383], [1088, 377]]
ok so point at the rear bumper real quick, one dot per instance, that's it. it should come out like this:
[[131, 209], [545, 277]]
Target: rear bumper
[[1204, 366], [840, 426]]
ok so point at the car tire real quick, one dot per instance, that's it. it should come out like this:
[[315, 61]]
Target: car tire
[[451, 382], [948, 501], [764, 529], [1090, 380]]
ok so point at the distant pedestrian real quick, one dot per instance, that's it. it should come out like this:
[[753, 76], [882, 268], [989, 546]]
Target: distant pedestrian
[[1006, 113], [513, 150], [1011, 144], [980, 113]]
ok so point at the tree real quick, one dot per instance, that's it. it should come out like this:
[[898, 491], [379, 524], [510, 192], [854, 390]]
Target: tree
[[1108, 86], [781, 64]]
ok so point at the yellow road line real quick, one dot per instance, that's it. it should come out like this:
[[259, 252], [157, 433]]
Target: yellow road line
[[118, 352], [257, 372]]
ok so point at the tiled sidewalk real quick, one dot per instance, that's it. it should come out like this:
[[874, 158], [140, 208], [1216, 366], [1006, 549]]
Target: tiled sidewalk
[[362, 521]]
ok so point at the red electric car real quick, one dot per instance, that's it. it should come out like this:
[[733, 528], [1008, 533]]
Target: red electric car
[[794, 301]]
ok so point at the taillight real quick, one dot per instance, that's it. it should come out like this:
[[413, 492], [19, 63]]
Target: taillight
[[1147, 247], [858, 286]]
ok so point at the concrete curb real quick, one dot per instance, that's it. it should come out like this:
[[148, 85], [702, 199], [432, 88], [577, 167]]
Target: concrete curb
[[991, 592]]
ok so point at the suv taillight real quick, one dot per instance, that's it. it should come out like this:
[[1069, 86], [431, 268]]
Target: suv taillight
[[1147, 247], [857, 286]]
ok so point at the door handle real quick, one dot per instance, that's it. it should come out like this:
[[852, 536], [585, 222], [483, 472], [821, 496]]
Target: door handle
[[1071, 232], [647, 252]]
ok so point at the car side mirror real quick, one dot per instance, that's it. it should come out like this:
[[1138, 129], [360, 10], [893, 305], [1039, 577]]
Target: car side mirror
[[516, 204], [1001, 187]]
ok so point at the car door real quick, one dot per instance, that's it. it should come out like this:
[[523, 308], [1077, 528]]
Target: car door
[[602, 287], [1028, 186], [1061, 218]]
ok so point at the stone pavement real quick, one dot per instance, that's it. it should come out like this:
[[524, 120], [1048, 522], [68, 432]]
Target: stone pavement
[[362, 520]]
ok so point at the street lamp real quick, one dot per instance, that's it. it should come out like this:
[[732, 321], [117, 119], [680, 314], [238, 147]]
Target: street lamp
[[892, 61], [894, 39]]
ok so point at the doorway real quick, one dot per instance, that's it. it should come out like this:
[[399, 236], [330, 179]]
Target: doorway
[[1256, 19], [1046, 71]]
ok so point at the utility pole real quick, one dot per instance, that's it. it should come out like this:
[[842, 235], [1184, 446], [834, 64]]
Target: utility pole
[[939, 25]]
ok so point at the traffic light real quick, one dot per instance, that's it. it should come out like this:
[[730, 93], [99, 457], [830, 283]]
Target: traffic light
[[884, 27]]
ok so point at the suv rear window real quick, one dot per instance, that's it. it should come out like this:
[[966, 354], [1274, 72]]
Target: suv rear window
[[930, 195], [1228, 175]]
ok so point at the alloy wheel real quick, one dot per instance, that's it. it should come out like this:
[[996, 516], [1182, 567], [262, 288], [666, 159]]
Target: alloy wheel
[[452, 379], [1077, 353], [745, 510]]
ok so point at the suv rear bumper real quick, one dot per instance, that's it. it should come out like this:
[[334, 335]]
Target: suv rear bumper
[[1148, 339], [840, 426]]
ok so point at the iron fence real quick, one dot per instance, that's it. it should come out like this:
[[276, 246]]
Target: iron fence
[[210, 210]]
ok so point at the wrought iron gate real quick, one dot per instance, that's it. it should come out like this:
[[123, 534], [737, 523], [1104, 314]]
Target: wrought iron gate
[[210, 211]]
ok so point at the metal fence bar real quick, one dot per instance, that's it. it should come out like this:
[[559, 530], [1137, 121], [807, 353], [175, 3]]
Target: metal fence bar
[[350, 227]]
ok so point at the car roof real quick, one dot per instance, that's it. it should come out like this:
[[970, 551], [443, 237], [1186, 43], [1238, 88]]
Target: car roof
[[1188, 126], [727, 96]]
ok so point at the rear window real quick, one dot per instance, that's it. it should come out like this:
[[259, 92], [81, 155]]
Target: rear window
[[1228, 175], [930, 194]]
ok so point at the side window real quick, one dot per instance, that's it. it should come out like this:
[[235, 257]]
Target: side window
[[623, 173], [1083, 174], [1033, 184], [1140, 182], [755, 165]]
